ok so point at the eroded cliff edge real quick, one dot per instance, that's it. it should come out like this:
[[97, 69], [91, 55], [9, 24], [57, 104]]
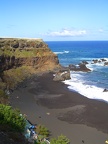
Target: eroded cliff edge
[[26, 52]]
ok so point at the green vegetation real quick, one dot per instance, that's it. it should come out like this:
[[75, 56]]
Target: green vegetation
[[42, 130], [13, 77], [22, 53], [60, 140], [11, 118], [24, 48], [3, 97]]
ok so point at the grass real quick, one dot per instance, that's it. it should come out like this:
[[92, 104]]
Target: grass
[[22, 53]]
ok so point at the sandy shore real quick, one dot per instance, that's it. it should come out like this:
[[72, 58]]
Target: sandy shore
[[62, 111]]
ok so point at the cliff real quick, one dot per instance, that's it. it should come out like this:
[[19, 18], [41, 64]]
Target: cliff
[[20, 58], [26, 52]]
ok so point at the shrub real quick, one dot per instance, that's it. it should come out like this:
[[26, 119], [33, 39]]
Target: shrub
[[60, 140], [42, 130], [13, 77], [3, 97], [12, 118], [2, 94]]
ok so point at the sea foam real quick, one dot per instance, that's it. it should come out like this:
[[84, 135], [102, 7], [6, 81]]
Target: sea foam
[[62, 52]]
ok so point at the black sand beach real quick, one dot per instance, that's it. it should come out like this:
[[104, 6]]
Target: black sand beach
[[50, 103]]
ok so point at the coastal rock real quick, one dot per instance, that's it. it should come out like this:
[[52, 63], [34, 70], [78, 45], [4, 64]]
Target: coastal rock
[[72, 67], [95, 61], [106, 64], [103, 60], [63, 69], [85, 62], [80, 67], [105, 90], [98, 61], [61, 76]]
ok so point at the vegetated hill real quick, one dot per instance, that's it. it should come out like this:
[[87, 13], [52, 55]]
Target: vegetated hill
[[26, 52], [20, 58]]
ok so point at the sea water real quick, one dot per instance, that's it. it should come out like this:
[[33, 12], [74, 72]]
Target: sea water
[[89, 84]]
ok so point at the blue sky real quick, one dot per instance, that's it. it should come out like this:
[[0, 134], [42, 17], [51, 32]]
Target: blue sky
[[54, 19]]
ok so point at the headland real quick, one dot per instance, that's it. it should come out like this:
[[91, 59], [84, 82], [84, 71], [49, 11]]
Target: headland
[[27, 69]]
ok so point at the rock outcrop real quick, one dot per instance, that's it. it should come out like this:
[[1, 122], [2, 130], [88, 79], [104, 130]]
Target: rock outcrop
[[81, 67], [100, 61]]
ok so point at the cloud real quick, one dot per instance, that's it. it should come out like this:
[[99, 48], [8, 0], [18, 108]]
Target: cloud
[[101, 30], [67, 33]]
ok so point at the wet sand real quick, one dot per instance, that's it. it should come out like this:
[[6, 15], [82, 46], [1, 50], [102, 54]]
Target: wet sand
[[50, 103]]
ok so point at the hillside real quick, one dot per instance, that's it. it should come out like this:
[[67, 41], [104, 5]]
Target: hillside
[[26, 52], [20, 58]]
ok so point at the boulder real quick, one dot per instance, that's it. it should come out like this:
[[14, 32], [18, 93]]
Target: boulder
[[61, 76], [105, 90], [98, 61], [95, 61], [106, 64], [103, 60]]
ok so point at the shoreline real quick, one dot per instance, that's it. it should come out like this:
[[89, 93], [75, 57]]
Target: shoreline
[[50, 103]]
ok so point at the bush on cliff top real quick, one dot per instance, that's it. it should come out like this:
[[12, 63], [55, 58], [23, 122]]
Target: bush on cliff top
[[11, 117]]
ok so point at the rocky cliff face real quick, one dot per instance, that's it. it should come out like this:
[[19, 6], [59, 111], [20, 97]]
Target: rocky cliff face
[[29, 52]]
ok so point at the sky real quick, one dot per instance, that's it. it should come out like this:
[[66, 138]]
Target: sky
[[54, 20]]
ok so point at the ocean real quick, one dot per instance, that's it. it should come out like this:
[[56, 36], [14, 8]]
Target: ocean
[[88, 84]]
